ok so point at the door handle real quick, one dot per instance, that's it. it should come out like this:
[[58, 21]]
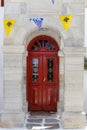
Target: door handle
[[44, 79]]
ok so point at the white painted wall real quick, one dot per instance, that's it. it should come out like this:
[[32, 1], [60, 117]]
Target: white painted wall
[[85, 91], [1, 59], [85, 72], [85, 43], [1, 56]]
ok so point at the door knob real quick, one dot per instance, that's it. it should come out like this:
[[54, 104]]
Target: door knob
[[44, 79]]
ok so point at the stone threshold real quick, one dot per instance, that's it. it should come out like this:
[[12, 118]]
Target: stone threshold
[[42, 121]]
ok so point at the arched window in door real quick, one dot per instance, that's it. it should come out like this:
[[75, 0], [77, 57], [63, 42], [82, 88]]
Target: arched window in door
[[43, 43]]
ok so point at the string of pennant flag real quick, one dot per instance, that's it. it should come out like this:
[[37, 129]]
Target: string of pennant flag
[[52, 1], [64, 19], [8, 24]]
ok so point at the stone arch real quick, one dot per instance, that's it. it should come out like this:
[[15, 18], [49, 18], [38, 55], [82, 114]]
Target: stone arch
[[56, 31], [54, 46], [60, 36], [44, 31]]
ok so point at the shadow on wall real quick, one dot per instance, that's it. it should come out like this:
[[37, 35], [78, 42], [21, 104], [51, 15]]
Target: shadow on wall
[[85, 63]]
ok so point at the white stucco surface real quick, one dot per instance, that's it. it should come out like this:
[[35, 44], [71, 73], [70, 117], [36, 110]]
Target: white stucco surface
[[1, 55], [85, 72], [85, 91], [71, 98], [85, 44]]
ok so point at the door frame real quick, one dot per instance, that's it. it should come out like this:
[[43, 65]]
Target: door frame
[[42, 51]]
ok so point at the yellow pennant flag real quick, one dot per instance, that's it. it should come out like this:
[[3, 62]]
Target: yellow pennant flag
[[66, 20], [8, 24]]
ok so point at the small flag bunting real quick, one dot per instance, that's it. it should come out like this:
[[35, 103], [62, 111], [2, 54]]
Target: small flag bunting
[[66, 20], [8, 24], [52, 1], [37, 21]]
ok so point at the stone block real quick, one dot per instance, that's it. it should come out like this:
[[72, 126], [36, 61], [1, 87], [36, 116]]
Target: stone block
[[13, 88], [13, 70], [9, 120], [12, 8], [13, 93], [73, 120], [12, 84], [70, 105], [23, 8], [13, 76], [71, 1], [86, 3], [13, 99], [43, 7], [12, 60], [75, 8], [73, 100], [76, 60], [73, 96], [10, 105]]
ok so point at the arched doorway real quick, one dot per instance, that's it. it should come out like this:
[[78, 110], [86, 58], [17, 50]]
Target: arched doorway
[[42, 74]]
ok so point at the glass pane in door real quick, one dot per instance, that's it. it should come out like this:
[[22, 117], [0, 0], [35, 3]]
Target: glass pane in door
[[50, 70], [35, 69]]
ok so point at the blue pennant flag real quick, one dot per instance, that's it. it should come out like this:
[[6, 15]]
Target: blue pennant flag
[[37, 21], [52, 1]]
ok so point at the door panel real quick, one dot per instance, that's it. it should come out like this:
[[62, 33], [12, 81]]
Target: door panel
[[35, 103], [34, 81], [42, 81], [50, 85]]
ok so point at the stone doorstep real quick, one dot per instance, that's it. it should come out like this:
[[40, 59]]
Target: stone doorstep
[[42, 122], [45, 126], [34, 120]]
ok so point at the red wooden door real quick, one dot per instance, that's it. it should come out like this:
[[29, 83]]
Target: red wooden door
[[2, 2], [42, 80]]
